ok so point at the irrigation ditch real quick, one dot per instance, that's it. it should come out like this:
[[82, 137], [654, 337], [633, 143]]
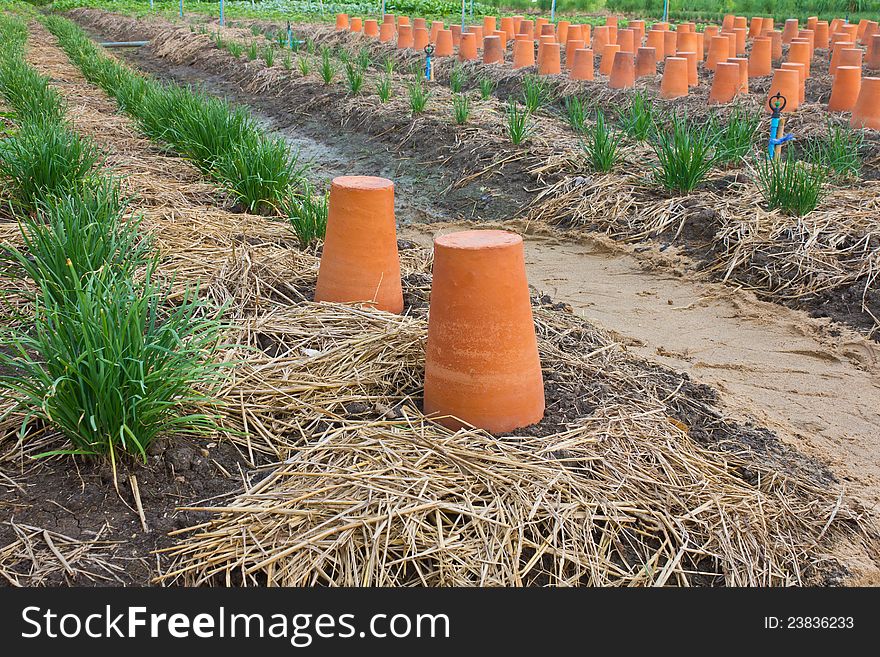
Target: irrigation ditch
[[658, 484]]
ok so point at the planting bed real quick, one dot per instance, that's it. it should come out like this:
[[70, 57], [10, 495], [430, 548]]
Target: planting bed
[[329, 473]]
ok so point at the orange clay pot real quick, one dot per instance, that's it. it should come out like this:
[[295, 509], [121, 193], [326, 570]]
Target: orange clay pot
[[686, 42], [675, 78], [516, 22], [523, 53], [570, 46], [601, 38], [341, 22], [760, 61], [646, 62], [403, 20], [811, 22], [386, 32], [550, 63], [421, 38], [866, 112], [799, 53], [701, 51], [655, 39], [527, 27], [802, 78], [547, 30], [727, 22], [850, 57], [419, 23], [478, 31], [872, 29], [607, 61], [850, 31], [638, 28], [562, 28], [575, 33], [718, 51], [711, 31], [404, 37], [790, 30], [444, 46], [541, 21], [845, 90], [611, 21], [776, 41], [670, 43], [359, 262], [467, 47], [860, 28], [740, 21], [835, 54], [660, 26], [806, 36], [489, 24], [481, 359], [731, 47], [739, 34], [873, 58], [768, 24], [436, 26], [456, 35], [743, 64], [820, 38], [626, 40], [507, 27], [356, 25], [755, 26], [788, 83], [388, 18], [371, 28], [693, 75], [623, 72], [725, 83], [493, 50], [582, 66]]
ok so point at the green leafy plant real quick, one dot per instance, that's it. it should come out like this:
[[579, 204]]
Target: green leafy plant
[[601, 145], [307, 214], [519, 122], [327, 69], [252, 51], [786, 184], [269, 55], [840, 150], [575, 113], [218, 40], [461, 108], [535, 93], [388, 64], [737, 137], [355, 77], [304, 66], [457, 78], [29, 93], [487, 86], [364, 59], [685, 154], [288, 61], [418, 96], [235, 49], [383, 88], [637, 118]]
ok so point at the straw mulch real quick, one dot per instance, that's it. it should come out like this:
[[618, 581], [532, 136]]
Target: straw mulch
[[634, 477]]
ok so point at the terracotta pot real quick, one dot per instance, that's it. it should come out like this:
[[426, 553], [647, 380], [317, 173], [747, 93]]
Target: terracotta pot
[[760, 61], [727, 22], [489, 24], [419, 23], [799, 53], [670, 43], [526, 27], [802, 78], [478, 31], [356, 25], [836, 50], [570, 46], [444, 46], [508, 27], [421, 38], [655, 39], [790, 30], [575, 33], [740, 22], [718, 51], [646, 62], [467, 47], [849, 57], [820, 38], [725, 83], [547, 30], [582, 66], [866, 112], [341, 22], [811, 22], [493, 50], [776, 47], [371, 28], [787, 82], [873, 59], [404, 37], [686, 42], [626, 40], [623, 72], [388, 18], [872, 29], [456, 35], [523, 53], [359, 262], [550, 61], [693, 74], [701, 50], [481, 359], [611, 21], [403, 20], [638, 28], [386, 32], [755, 26], [675, 78], [607, 61], [845, 90], [562, 31], [601, 38], [743, 64]]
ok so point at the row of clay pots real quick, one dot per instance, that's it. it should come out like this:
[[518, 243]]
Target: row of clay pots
[[624, 59], [481, 362]]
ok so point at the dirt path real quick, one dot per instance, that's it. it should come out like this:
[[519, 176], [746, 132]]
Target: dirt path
[[818, 390]]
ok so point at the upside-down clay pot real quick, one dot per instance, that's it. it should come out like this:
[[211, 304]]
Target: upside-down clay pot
[[727, 22], [872, 29], [743, 64], [802, 78], [421, 38], [341, 22], [866, 112], [760, 61], [607, 62], [686, 42], [845, 89], [860, 28], [419, 23], [582, 66], [456, 35], [655, 39], [646, 62], [404, 37], [638, 28], [575, 33], [550, 62], [570, 46], [661, 26], [623, 72], [523, 53], [739, 34], [787, 82], [670, 43], [547, 30], [626, 40], [799, 53], [601, 38], [436, 26], [386, 32], [527, 27], [709, 32], [836, 50], [820, 38], [850, 57], [493, 50], [835, 24], [740, 21], [731, 46], [769, 25], [508, 28], [718, 51], [444, 46], [467, 47], [542, 41], [359, 262], [776, 44], [725, 83], [478, 31], [693, 74], [873, 58], [388, 18], [675, 78], [403, 20], [811, 22], [807, 37], [755, 26], [562, 28], [357, 25], [611, 21], [790, 30], [489, 24], [371, 28], [701, 51]]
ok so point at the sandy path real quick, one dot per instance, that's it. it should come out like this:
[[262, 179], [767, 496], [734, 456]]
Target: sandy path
[[821, 393]]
